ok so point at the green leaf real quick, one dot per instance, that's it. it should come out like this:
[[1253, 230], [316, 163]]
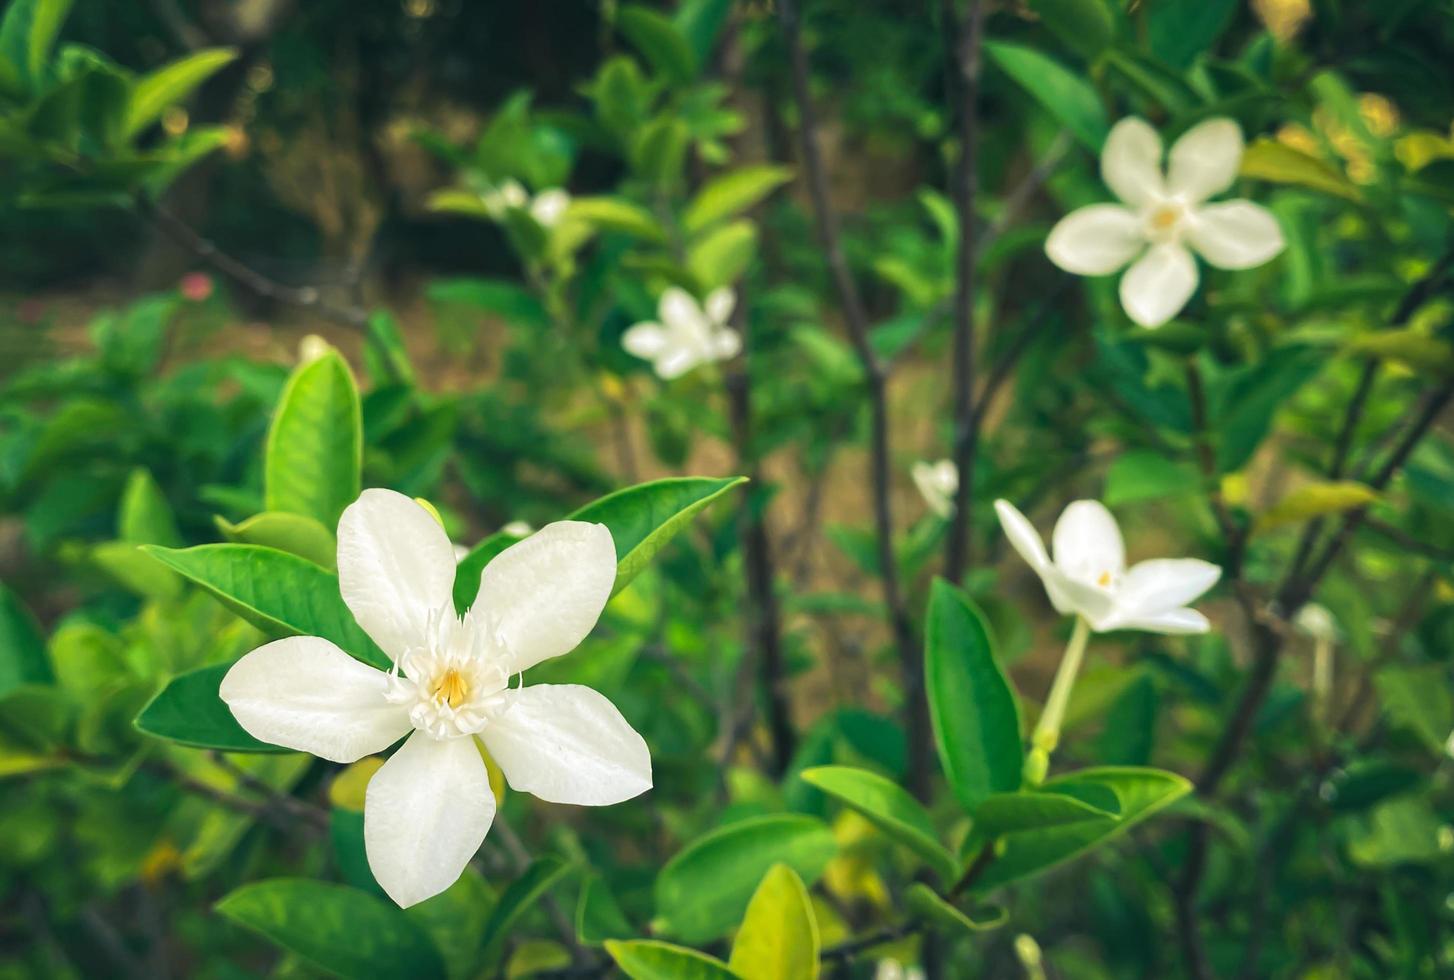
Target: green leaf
[[1006, 813], [1431, 356], [1067, 96], [700, 21], [642, 519], [1267, 159], [1246, 401], [1316, 499], [598, 915], [702, 891], [22, 647], [153, 93], [1140, 792], [1084, 26], [731, 193], [27, 34], [315, 446], [516, 900], [889, 807], [297, 534], [1147, 475], [926, 903], [454, 919], [973, 710], [342, 930], [650, 959], [1179, 30], [1418, 698], [145, 516], [778, 939], [279, 593], [656, 37], [720, 257], [617, 214], [188, 710]]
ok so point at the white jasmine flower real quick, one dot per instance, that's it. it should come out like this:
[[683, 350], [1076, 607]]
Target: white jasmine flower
[[508, 195], [453, 679], [1163, 216], [938, 483], [312, 347], [549, 206], [894, 970], [1088, 576], [688, 333], [1317, 622], [519, 529]]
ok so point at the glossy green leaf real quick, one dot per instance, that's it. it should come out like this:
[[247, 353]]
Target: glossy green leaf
[[617, 214], [1006, 813], [454, 919], [1140, 792], [23, 658], [1084, 26], [598, 915], [732, 193], [929, 905], [702, 891], [1418, 698], [297, 534], [975, 718], [188, 710], [154, 92], [721, 256], [1318, 498], [342, 930], [315, 446], [656, 37], [1267, 159], [145, 516], [778, 939], [889, 807], [516, 900], [1147, 475], [27, 34], [650, 959], [279, 593], [1179, 30], [1067, 96]]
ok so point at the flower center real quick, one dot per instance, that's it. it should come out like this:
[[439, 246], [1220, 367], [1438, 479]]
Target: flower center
[[453, 689], [452, 680], [1104, 580], [1164, 221]]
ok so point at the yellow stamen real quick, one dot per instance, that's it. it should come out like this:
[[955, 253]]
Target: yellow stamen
[[1164, 219], [453, 689], [1104, 580]]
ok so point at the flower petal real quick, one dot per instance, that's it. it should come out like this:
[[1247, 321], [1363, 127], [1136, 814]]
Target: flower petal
[[1071, 596], [426, 812], [1131, 162], [549, 207], [1157, 287], [547, 591], [395, 568], [1164, 583], [679, 311], [568, 744], [1095, 240], [1235, 234], [937, 483], [719, 305], [1022, 534], [1172, 622], [1087, 543], [645, 340], [304, 693], [1204, 161], [726, 344]]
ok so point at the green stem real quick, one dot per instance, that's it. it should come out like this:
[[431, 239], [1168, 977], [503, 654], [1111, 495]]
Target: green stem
[[1047, 730]]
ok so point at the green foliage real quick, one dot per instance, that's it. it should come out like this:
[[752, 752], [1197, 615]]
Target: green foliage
[[315, 445]]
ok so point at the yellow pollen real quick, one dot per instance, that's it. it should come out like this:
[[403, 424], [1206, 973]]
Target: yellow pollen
[[1104, 580], [1163, 219], [452, 690]]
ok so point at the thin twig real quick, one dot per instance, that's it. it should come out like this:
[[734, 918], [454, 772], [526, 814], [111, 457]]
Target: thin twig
[[910, 663]]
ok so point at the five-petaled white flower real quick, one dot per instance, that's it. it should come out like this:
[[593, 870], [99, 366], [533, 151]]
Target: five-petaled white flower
[[1163, 215], [1089, 577], [453, 678], [938, 483], [547, 207], [688, 333]]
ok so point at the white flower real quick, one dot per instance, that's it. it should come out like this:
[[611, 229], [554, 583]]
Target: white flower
[[1317, 622], [894, 970], [518, 529], [454, 678], [1089, 577], [1163, 215], [938, 483], [549, 206], [688, 333], [508, 195]]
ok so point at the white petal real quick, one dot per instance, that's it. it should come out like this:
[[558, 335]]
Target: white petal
[[395, 567], [1131, 162], [1022, 534], [726, 344], [426, 812], [1157, 287], [568, 744], [1205, 160], [676, 361], [645, 340], [1164, 583], [549, 206], [304, 693], [547, 591], [679, 311], [719, 305], [1095, 240], [1173, 622], [1087, 543], [1071, 596], [1235, 234], [937, 482]]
